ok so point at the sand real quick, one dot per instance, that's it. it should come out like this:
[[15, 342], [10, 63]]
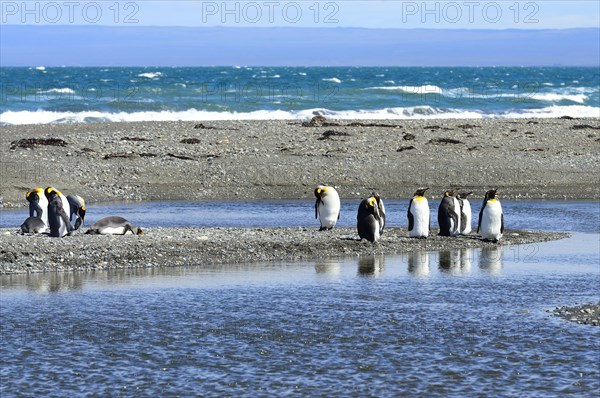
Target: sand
[[253, 160]]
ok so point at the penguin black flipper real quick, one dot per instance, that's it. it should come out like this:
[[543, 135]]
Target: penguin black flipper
[[63, 214], [502, 223], [481, 215], [411, 219], [317, 208]]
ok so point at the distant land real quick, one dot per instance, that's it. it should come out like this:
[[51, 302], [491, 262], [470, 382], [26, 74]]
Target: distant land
[[72, 45]]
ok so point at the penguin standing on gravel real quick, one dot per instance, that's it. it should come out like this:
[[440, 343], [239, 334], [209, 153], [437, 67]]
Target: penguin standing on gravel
[[327, 206], [491, 218], [465, 213], [77, 209], [38, 204], [449, 214], [418, 215], [381, 207], [368, 220], [58, 210]]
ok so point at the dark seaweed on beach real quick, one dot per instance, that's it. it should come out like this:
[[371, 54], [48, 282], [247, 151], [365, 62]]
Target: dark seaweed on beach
[[182, 157], [202, 126], [332, 133], [567, 118], [467, 126], [320, 121], [435, 127], [134, 139], [190, 141], [123, 155], [444, 141], [405, 148], [32, 142], [584, 126], [408, 137], [532, 150], [359, 124]]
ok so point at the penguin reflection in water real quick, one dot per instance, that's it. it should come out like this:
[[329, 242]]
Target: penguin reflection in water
[[327, 206], [369, 220], [449, 214], [113, 225], [491, 218], [58, 210]]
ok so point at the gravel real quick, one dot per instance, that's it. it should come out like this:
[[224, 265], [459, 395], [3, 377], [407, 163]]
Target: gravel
[[166, 247], [586, 314]]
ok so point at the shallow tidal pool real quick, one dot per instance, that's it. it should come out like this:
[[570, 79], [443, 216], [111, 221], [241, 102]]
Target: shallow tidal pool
[[470, 322]]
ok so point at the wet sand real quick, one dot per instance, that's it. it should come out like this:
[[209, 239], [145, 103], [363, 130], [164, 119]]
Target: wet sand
[[253, 160]]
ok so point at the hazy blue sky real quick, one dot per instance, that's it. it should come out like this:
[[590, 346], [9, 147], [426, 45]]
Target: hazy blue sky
[[461, 14]]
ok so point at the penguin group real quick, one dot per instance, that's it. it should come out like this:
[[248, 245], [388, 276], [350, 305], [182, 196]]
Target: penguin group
[[52, 213], [454, 214]]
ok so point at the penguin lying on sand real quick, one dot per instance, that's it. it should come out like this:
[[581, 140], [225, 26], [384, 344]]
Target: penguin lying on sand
[[34, 225], [113, 225]]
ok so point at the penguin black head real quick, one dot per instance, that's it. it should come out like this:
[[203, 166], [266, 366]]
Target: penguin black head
[[34, 196], [464, 195], [81, 213], [420, 192], [51, 193], [491, 194], [321, 191], [371, 206], [451, 192]]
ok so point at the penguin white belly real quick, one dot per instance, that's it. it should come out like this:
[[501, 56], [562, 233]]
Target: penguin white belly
[[65, 204], [455, 229], [329, 211], [62, 230], [466, 210], [420, 212], [43, 203], [112, 231], [491, 221]]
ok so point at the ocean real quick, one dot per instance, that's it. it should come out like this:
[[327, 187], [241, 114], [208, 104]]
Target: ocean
[[42, 95]]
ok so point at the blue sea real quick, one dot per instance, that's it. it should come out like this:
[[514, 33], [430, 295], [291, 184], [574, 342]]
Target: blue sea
[[68, 94]]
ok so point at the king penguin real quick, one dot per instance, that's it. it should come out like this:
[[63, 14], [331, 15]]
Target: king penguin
[[449, 214], [34, 225], [381, 207], [113, 225], [77, 209], [38, 204], [58, 218], [368, 220], [465, 213], [491, 218], [327, 206], [418, 215]]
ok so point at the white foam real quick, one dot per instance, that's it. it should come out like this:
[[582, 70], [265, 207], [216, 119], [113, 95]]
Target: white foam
[[150, 75], [332, 79], [65, 90], [416, 112], [40, 68], [426, 89], [556, 97]]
